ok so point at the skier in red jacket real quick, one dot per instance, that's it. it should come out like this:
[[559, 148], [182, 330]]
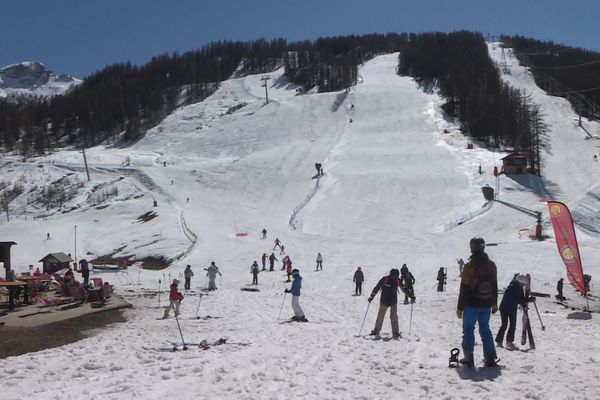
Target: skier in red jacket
[[175, 298]]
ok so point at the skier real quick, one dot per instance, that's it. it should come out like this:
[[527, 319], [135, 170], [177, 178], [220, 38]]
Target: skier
[[295, 291], [513, 296], [264, 232], [264, 261], [319, 262], [358, 279], [586, 279], [461, 266], [272, 260], [559, 289], [277, 244], [254, 271], [407, 280], [478, 296], [282, 250], [389, 299], [175, 299], [187, 274], [441, 278], [284, 262], [213, 270], [85, 270], [289, 269]]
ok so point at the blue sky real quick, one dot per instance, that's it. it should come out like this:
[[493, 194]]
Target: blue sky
[[79, 37]]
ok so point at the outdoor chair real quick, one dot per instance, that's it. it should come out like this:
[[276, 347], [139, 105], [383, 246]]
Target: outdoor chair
[[97, 281]]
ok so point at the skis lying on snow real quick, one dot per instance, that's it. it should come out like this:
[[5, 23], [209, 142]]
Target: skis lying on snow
[[202, 345]]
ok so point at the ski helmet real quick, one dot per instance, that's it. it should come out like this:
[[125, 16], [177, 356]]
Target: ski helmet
[[477, 244], [522, 279]]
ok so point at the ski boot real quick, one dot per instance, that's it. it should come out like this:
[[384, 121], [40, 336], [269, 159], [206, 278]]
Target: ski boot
[[468, 359], [453, 361]]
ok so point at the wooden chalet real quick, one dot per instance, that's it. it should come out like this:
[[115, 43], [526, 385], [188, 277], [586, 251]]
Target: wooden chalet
[[515, 163], [55, 261]]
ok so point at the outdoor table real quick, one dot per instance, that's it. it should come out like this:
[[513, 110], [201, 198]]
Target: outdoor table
[[11, 285]]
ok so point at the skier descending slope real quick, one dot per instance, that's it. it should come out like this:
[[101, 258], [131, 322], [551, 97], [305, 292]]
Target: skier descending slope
[[389, 299], [295, 291], [478, 296]]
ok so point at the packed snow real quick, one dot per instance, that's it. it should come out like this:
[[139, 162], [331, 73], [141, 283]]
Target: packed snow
[[400, 186]]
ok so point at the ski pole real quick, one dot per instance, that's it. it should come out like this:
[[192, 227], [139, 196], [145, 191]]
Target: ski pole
[[410, 320], [198, 309], [159, 293], [365, 317], [180, 333], [538, 314], [281, 308]]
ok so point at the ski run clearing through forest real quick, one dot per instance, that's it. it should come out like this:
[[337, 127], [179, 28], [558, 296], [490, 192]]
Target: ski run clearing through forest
[[396, 189]]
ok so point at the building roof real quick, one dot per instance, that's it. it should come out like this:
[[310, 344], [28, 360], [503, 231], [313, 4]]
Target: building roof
[[3, 244], [61, 257], [515, 155]]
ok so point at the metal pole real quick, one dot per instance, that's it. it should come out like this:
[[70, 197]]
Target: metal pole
[[75, 254], [87, 172], [365, 317], [538, 313], [198, 308], [410, 322], [281, 308]]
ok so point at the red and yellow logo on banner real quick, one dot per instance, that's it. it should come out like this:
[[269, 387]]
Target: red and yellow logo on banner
[[567, 253], [555, 210]]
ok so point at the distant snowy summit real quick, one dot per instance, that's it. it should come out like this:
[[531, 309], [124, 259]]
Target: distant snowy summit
[[30, 79]]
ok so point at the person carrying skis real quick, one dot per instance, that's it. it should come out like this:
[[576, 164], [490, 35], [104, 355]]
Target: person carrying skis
[[407, 280], [559, 289], [477, 298], [277, 244], [358, 279], [319, 262], [175, 299], [389, 286], [295, 291], [187, 274], [264, 261], [264, 232], [213, 270], [254, 271], [441, 278], [512, 298], [272, 260]]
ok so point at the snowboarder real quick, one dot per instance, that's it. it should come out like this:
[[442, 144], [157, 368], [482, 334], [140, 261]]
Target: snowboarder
[[559, 289], [358, 279], [85, 270], [389, 299], [264, 261], [441, 278], [254, 271], [282, 250], [264, 232], [295, 291], [277, 244], [408, 280], [513, 296], [213, 270], [174, 299], [319, 262], [289, 269], [477, 298], [187, 274], [272, 260]]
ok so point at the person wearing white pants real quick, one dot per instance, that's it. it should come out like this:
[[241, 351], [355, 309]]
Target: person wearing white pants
[[295, 291]]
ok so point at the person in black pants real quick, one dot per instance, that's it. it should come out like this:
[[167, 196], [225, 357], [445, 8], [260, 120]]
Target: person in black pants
[[513, 296], [359, 278]]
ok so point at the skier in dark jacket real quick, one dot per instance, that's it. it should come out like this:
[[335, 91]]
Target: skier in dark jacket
[[477, 298], [389, 299], [264, 261], [512, 298], [407, 280], [559, 289], [359, 278], [441, 278], [254, 271], [272, 260]]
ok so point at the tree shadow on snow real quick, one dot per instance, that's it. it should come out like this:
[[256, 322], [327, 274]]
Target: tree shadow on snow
[[541, 187], [479, 374]]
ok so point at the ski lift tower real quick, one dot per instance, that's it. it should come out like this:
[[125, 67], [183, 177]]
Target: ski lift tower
[[503, 64], [488, 194], [265, 79]]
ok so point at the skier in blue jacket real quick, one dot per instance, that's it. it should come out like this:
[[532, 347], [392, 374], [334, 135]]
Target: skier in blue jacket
[[513, 296], [295, 291]]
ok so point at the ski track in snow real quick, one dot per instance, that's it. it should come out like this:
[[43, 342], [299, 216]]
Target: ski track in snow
[[394, 181]]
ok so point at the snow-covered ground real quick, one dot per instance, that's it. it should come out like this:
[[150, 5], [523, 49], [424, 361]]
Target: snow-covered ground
[[397, 190]]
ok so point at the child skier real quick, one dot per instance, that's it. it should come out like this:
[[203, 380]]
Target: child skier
[[187, 274], [407, 280], [174, 299], [358, 279]]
